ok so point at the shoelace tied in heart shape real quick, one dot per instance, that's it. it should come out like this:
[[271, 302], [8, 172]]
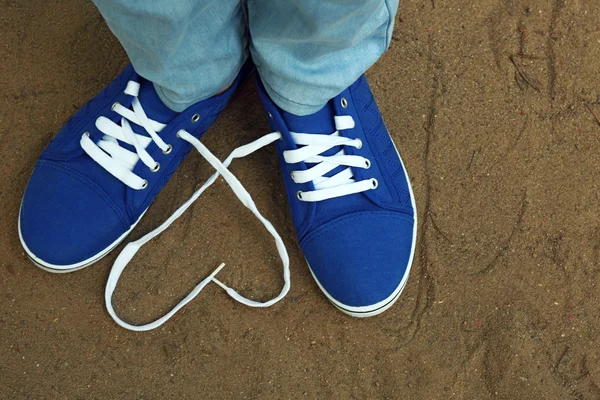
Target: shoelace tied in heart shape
[[120, 162]]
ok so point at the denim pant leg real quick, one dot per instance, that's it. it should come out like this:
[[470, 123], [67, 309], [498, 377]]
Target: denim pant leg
[[309, 51], [189, 49]]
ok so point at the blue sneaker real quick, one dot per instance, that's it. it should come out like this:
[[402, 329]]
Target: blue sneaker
[[350, 199], [94, 181]]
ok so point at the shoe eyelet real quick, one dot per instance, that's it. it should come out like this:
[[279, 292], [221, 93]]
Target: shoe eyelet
[[360, 143], [299, 194], [168, 150], [156, 167], [292, 175], [86, 134], [145, 184], [195, 118], [115, 104], [344, 102], [375, 183], [367, 164], [178, 133], [270, 115]]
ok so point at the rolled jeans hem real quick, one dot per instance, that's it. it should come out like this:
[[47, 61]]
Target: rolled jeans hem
[[180, 105], [289, 105]]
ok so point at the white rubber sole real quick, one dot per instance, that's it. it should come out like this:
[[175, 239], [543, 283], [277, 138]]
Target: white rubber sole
[[378, 308], [63, 269]]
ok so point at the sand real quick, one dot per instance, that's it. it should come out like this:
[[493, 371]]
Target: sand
[[492, 105]]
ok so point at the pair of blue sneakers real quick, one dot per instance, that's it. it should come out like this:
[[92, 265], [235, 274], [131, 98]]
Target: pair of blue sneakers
[[349, 194]]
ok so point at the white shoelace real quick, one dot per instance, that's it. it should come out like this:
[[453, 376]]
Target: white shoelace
[[117, 160], [340, 184], [132, 248], [313, 145]]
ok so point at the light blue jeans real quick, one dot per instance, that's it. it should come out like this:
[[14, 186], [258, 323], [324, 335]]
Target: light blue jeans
[[306, 51]]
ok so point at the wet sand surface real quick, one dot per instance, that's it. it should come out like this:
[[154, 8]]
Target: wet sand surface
[[493, 105]]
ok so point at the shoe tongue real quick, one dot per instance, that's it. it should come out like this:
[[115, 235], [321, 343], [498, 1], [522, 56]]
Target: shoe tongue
[[153, 106], [320, 122]]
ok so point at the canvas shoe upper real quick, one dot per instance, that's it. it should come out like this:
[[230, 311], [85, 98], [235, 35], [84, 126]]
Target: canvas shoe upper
[[350, 199], [99, 174]]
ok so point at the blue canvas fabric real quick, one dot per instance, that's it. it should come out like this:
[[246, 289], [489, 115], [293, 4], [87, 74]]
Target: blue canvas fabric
[[359, 246], [72, 208]]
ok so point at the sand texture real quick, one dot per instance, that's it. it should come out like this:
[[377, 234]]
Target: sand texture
[[493, 105]]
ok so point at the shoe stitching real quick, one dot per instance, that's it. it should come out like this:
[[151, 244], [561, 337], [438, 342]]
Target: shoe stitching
[[84, 179], [375, 131], [347, 219]]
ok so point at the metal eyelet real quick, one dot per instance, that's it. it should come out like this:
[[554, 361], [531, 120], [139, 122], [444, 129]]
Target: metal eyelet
[[195, 118], [270, 115], [367, 164], [86, 134], [145, 184], [292, 174], [178, 132], [360, 143], [112, 108], [168, 150], [299, 194], [375, 183], [156, 167], [344, 102]]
